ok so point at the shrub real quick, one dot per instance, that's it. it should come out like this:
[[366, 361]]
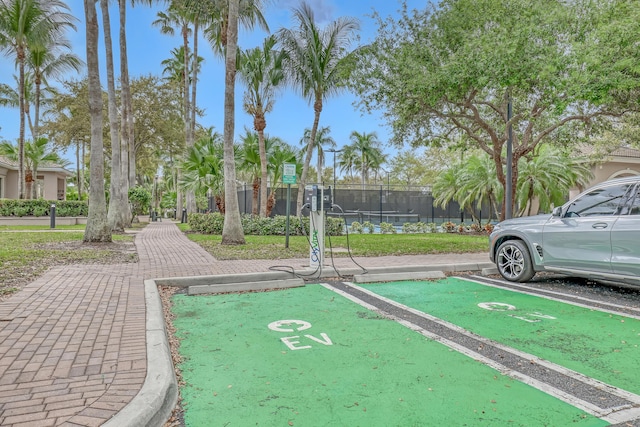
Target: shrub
[[488, 227], [368, 225], [449, 227], [213, 223], [356, 227], [476, 227], [386, 228], [41, 207]]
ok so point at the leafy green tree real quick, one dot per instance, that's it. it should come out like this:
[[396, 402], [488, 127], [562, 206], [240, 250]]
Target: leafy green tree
[[315, 62], [261, 71], [451, 71], [24, 24]]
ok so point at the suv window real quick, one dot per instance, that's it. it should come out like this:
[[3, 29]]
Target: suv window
[[634, 204], [600, 202]]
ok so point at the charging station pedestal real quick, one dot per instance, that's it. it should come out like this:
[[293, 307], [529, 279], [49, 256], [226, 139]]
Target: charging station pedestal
[[315, 198]]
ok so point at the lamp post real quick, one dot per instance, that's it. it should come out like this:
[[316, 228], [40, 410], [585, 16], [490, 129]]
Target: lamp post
[[334, 151]]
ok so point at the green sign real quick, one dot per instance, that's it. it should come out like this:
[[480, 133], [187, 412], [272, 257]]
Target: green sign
[[289, 173]]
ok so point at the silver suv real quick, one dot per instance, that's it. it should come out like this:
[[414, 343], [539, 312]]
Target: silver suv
[[596, 236]]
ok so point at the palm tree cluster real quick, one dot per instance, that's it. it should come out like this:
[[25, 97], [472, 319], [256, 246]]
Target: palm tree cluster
[[545, 178], [33, 32]]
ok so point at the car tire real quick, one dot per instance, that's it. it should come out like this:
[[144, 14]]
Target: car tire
[[514, 261]]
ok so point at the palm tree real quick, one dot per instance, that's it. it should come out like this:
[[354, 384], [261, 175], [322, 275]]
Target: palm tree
[[261, 71], [279, 154], [35, 153], [347, 160], [232, 232], [250, 163], [9, 97], [314, 61], [97, 229], [370, 155], [547, 177], [322, 139], [25, 23], [46, 61], [478, 182], [116, 216], [203, 168]]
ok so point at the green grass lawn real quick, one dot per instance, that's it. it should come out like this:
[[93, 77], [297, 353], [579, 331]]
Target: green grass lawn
[[26, 254], [273, 247]]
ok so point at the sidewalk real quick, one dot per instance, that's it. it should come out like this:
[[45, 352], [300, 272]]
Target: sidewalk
[[73, 344]]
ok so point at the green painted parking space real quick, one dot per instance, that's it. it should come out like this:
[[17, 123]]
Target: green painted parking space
[[310, 357], [600, 345]]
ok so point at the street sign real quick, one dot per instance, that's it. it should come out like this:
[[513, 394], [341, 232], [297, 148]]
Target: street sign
[[289, 173]]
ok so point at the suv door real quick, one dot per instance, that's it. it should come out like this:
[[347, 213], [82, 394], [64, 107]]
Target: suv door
[[581, 237], [625, 237]]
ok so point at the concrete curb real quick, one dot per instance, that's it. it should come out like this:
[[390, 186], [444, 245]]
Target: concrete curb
[[157, 398]]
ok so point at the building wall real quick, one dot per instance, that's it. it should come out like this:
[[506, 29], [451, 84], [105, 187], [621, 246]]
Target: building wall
[[613, 168], [11, 185]]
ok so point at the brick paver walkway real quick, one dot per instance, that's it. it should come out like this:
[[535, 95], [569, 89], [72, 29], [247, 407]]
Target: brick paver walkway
[[72, 343]]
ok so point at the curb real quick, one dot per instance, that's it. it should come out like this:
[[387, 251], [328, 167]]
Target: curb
[[157, 398]]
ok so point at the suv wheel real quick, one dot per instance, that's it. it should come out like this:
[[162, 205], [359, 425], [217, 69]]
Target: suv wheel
[[514, 261]]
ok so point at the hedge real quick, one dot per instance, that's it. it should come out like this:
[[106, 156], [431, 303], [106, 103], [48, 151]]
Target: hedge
[[41, 207], [212, 223]]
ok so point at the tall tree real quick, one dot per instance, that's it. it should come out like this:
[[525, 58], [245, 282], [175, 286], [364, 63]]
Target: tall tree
[[315, 61], [453, 71], [127, 141], [323, 139], [261, 70], [232, 232], [97, 229], [180, 16], [370, 155], [116, 215], [25, 23], [47, 60]]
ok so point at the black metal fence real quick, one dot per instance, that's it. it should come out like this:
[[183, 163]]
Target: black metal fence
[[378, 204]]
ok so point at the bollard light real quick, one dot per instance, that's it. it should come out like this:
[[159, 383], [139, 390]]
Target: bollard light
[[52, 215]]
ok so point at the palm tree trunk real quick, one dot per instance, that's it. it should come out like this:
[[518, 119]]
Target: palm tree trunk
[[97, 229], [264, 174], [21, 174], [127, 148], [114, 215], [307, 160], [232, 233]]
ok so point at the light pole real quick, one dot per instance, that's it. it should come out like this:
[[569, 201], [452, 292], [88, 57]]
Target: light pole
[[334, 151]]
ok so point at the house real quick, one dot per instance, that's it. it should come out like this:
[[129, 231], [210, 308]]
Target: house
[[51, 180], [618, 163]]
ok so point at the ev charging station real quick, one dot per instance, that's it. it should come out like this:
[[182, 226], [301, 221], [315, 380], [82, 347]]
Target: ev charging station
[[318, 200]]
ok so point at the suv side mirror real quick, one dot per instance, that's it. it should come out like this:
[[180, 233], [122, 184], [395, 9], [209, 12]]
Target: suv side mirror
[[557, 211]]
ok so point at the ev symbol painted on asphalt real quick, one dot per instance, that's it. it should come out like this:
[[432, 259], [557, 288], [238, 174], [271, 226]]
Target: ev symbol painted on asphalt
[[293, 342], [529, 317]]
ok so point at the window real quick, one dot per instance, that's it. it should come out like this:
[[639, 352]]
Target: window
[[600, 202], [635, 203]]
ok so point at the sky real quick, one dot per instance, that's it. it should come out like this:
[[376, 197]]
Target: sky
[[291, 115]]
